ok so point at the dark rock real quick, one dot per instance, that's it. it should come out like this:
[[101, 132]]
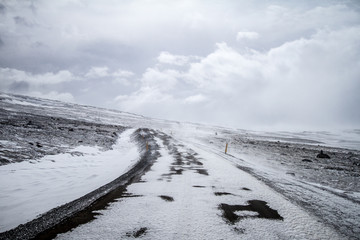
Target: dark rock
[[167, 198], [306, 160], [202, 171], [239, 230], [137, 233], [222, 193], [260, 207], [356, 164], [322, 155]]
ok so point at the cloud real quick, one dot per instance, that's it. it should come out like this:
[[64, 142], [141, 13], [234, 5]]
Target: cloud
[[37, 85], [122, 73], [155, 94], [104, 73], [225, 66], [95, 72], [163, 80], [168, 58], [301, 81], [2, 8], [123, 77], [18, 86], [247, 35], [199, 98], [148, 101], [22, 21], [9, 75]]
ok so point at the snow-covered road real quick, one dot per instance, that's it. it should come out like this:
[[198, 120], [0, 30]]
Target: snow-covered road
[[327, 195], [191, 193]]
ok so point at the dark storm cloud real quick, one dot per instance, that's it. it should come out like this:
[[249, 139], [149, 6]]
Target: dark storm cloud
[[114, 54], [2, 8], [22, 21], [19, 87]]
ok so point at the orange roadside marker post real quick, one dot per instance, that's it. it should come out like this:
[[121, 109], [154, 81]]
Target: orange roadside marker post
[[226, 148], [147, 146]]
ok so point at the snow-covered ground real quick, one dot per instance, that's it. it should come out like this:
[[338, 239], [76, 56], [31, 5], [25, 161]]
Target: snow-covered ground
[[53, 152], [327, 188], [187, 204], [32, 188]]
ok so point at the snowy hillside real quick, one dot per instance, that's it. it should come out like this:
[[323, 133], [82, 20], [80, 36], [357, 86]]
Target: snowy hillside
[[108, 174]]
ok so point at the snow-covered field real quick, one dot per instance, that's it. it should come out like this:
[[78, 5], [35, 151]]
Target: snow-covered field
[[30, 188], [268, 185]]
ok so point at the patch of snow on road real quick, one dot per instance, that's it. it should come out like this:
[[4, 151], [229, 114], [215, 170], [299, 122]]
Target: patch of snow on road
[[32, 188]]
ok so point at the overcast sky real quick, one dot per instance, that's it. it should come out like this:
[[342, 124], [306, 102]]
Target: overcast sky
[[249, 64]]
